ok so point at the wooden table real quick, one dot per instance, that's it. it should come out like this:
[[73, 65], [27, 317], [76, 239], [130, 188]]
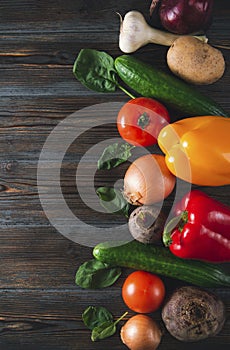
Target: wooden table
[[40, 305]]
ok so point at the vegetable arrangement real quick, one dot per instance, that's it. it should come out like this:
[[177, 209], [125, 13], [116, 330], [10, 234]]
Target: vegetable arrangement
[[98, 71], [150, 82], [198, 237]]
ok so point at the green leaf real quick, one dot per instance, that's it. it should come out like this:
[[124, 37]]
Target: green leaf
[[114, 155], [105, 329], [95, 69], [95, 315], [95, 274], [113, 201]]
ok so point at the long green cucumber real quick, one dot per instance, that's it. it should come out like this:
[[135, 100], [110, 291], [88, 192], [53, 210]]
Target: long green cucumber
[[150, 82], [161, 261]]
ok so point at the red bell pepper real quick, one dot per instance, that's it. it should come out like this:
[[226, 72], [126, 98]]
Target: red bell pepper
[[201, 229]]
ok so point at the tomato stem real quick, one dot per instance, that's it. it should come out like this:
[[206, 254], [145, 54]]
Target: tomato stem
[[143, 120]]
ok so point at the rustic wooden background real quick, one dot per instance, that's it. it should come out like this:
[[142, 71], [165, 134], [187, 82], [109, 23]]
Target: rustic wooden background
[[40, 306]]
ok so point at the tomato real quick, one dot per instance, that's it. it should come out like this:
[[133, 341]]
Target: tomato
[[140, 121], [143, 292]]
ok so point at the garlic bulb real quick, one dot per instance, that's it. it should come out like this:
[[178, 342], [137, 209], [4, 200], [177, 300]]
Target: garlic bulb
[[135, 33]]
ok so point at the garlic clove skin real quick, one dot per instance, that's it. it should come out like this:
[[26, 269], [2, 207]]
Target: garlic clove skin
[[134, 32]]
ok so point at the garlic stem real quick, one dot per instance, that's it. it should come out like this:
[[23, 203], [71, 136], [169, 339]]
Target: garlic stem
[[157, 36], [135, 32]]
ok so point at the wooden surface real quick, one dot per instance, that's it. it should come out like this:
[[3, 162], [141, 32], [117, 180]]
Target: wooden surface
[[40, 306]]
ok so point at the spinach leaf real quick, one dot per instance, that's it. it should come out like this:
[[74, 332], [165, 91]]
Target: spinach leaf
[[113, 201], [105, 329], [95, 274], [95, 69], [95, 315], [114, 155]]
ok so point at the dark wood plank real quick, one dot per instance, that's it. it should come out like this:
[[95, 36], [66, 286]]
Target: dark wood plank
[[30, 16], [42, 322], [31, 82]]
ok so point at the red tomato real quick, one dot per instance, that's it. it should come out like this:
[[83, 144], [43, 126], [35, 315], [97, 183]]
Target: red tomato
[[140, 121], [143, 292]]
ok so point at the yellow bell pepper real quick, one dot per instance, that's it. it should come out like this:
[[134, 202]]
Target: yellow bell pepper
[[197, 149]]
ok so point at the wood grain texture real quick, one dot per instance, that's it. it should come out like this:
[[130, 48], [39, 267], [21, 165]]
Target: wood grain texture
[[40, 305]]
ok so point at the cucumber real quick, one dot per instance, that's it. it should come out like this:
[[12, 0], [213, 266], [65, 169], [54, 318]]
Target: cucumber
[[161, 261], [151, 82]]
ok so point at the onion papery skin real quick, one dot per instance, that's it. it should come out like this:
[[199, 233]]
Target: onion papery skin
[[141, 332], [148, 180]]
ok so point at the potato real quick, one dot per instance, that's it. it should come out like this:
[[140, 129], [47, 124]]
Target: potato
[[195, 61]]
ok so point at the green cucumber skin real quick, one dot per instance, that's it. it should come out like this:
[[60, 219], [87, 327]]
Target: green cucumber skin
[[161, 261], [150, 82]]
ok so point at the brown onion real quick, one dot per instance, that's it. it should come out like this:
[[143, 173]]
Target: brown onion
[[141, 332], [148, 180]]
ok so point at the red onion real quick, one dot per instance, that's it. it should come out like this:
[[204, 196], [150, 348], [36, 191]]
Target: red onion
[[184, 16]]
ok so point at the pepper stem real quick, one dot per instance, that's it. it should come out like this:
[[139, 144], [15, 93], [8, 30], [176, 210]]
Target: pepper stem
[[176, 222]]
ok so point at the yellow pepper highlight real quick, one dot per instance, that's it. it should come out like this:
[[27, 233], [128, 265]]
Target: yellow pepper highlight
[[197, 149]]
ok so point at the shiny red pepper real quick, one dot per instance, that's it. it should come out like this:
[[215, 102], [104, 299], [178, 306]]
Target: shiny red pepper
[[201, 229]]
